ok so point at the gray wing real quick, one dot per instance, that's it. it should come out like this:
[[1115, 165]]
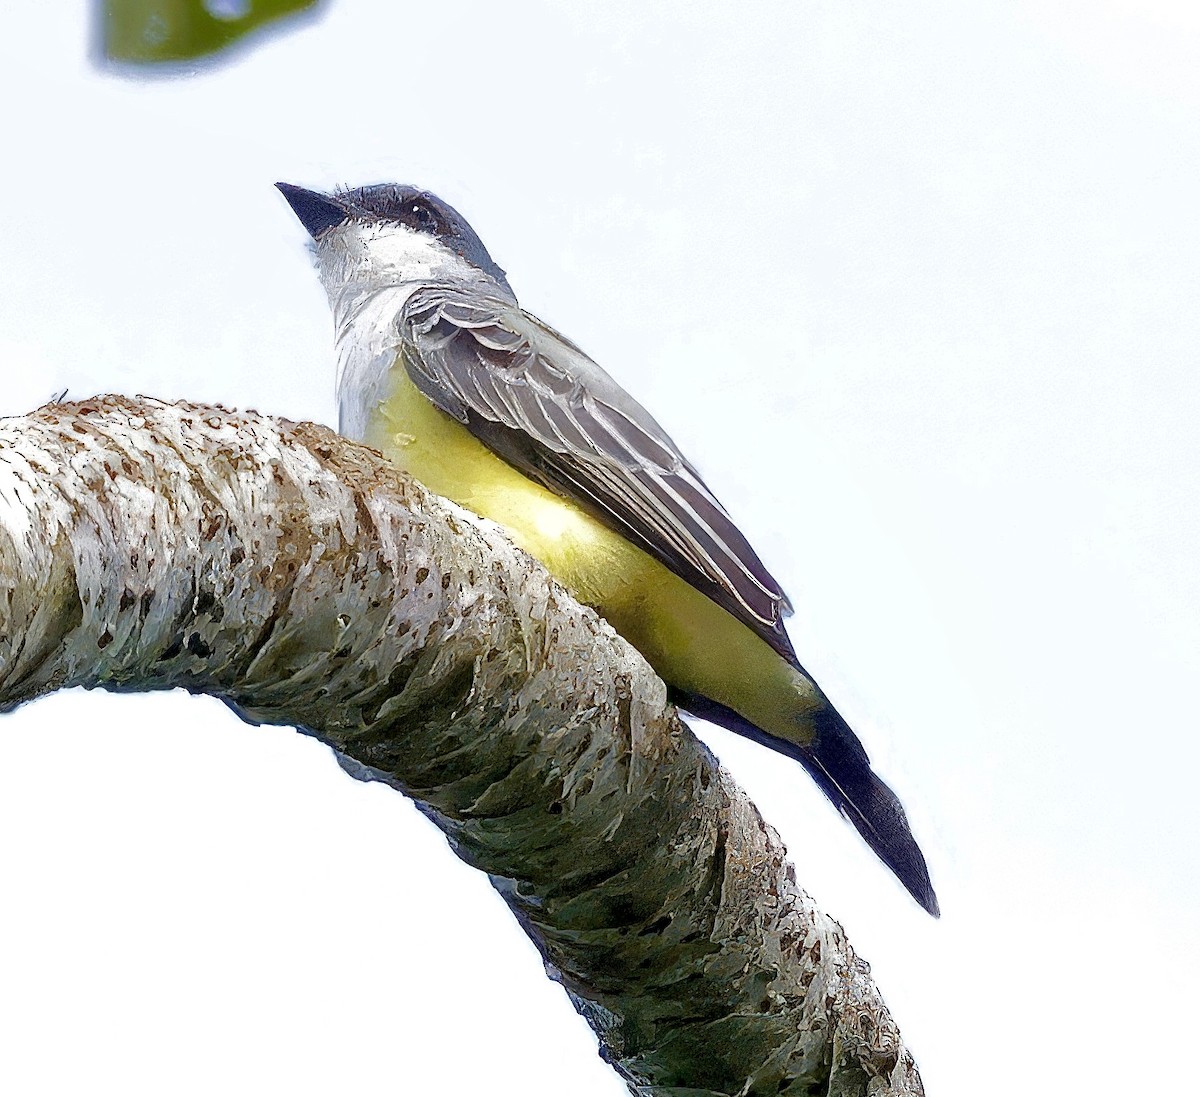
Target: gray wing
[[540, 403]]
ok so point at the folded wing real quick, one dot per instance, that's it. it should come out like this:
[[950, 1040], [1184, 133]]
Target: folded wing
[[539, 402]]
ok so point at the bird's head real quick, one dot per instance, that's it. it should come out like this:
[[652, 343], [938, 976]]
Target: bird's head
[[390, 234]]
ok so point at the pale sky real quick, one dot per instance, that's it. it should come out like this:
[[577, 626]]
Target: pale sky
[[914, 286]]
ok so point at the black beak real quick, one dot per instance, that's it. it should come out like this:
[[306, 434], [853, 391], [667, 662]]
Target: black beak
[[317, 212]]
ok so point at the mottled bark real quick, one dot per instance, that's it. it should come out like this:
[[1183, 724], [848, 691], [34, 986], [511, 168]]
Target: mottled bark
[[295, 575]]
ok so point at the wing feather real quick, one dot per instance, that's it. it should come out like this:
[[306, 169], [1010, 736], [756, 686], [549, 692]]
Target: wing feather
[[545, 407]]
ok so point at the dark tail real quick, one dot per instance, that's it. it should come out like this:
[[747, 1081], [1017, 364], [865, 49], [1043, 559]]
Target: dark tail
[[835, 759]]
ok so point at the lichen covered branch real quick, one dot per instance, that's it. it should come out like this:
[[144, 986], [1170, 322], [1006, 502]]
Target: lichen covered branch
[[146, 545]]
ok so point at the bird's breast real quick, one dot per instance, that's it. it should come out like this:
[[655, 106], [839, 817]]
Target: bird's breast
[[692, 643], [447, 458]]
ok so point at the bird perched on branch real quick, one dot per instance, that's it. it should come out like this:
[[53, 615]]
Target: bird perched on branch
[[442, 370]]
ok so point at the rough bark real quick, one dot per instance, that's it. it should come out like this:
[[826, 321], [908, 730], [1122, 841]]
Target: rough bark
[[295, 575]]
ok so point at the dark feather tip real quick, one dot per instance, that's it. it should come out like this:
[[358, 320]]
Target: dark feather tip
[[837, 762]]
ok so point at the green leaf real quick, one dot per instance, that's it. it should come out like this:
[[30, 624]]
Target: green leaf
[[154, 31]]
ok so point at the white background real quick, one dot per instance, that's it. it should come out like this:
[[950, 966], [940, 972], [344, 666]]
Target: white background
[[916, 286]]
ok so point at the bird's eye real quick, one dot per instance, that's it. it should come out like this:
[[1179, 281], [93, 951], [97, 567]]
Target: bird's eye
[[421, 217]]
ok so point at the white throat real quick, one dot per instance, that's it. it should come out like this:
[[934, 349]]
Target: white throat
[[369, 272]]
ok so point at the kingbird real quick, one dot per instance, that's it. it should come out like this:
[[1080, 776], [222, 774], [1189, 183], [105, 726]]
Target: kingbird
[[442, 371]]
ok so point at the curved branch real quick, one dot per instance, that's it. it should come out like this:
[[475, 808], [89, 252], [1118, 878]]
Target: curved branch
[[302, 580]]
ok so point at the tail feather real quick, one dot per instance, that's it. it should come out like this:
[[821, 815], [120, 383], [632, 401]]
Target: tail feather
[[837, 762]]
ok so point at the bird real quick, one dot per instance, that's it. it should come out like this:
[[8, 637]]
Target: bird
[[442, 371]]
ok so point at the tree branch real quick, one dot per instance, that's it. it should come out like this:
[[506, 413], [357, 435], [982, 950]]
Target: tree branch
[[299, 578]]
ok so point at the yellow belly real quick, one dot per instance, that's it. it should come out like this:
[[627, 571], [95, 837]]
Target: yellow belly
[[690, 641]]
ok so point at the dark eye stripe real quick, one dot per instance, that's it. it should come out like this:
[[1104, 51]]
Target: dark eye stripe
[[425, 213]]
